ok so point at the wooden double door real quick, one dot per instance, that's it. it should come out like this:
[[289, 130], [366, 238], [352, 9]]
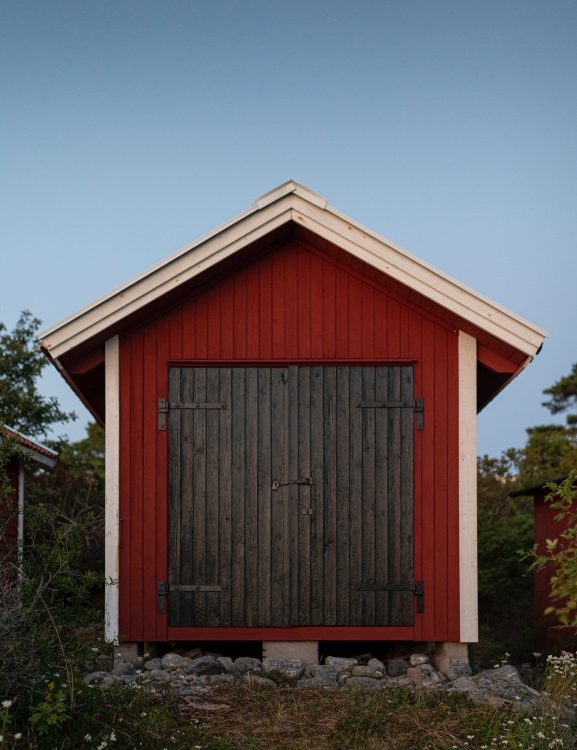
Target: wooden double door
[[290, 496]]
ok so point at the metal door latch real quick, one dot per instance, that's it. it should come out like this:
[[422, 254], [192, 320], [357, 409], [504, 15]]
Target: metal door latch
[[276, 483]]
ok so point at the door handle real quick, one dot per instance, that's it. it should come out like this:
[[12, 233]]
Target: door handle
[[276, 483]]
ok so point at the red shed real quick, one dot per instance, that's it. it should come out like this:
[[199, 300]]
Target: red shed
[[290, 408], [549, 631], [12, 509]]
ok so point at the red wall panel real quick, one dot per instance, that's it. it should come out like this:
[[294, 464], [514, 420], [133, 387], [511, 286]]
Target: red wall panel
[[294, 304]]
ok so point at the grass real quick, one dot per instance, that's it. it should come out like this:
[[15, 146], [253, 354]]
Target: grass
[[261, 718]]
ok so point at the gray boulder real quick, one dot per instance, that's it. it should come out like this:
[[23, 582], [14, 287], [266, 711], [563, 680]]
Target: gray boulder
[[397, 667], [292, 669]]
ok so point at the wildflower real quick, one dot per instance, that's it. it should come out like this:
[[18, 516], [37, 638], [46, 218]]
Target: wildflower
[[112, 736], [143, 714], [94, 648], [7, 703], [1, 738], [18, 736], [88, 737]]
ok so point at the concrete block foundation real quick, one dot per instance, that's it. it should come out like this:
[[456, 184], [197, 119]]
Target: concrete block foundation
[[307, 651], [452, 659]]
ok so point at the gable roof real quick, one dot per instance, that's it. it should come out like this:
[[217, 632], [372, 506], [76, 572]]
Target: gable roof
[[291, 202]]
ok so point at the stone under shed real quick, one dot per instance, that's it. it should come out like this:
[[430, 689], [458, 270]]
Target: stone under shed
[[290, 409]]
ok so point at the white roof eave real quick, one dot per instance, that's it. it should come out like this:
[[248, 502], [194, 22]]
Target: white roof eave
[[291, 202]]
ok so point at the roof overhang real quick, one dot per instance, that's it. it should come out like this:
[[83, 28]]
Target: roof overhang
[[290, 202], [30, 448]]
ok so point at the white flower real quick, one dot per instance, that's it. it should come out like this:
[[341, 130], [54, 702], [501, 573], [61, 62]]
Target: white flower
[[88, 737], [112, 736], [7, 703], [18, 736]]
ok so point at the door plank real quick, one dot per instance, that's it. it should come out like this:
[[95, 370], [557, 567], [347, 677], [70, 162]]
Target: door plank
[[368, 494], [356, 489], [343, 583], [382, 495], [213, 471], [238, 486], [317, 519], [264, 496], [225, 496], [174, 497], [251, 582], [330, 497], [306, 497], [279, 462], [292, 510]]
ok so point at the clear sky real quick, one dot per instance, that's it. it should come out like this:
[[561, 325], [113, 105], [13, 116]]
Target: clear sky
[[128, 128]]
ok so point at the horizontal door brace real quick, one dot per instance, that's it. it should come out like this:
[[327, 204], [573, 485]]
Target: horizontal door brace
[[417, 589], [418, 405], [164, 406], [163, 589]]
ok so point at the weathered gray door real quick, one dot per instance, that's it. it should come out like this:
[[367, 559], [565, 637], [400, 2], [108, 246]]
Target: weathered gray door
[[290, 496]]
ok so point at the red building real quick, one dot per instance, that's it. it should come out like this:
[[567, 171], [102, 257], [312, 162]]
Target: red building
[[12, 509], [290, 408], [550, 632]]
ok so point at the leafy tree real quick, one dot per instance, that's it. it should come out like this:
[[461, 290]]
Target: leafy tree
[[564, 396], [550, 452], [21, 364], [73, 490]]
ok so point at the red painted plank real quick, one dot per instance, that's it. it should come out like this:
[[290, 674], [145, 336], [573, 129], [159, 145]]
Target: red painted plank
[[134, 530], [239, 323], [226, 337], [149, 498], [252, 316], [304, 304], [313, 633], [161, 509], [441, 482], [428, 480], [316, 325], [453, 615], [213, 324], [356, 290], [264, 270], [329, 311]]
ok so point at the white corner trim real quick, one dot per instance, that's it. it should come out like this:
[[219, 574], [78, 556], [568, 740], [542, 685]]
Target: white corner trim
[[468, 488], [112, 490], [20, 508]]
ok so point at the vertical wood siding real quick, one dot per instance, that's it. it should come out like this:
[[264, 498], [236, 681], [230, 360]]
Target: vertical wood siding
[[294, 305], [249, 427]]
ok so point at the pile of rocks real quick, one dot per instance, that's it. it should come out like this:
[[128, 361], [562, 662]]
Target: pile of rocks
[[188, 677]]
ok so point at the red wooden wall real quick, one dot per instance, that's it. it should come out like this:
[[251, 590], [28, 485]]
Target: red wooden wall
[[550, 633], [294, 304]]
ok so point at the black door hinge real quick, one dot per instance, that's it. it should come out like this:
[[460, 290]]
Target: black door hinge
[[164, 406], [418, 406], [417, 589]]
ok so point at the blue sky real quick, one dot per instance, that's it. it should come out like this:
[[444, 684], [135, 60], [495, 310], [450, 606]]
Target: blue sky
[[129, 127]]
